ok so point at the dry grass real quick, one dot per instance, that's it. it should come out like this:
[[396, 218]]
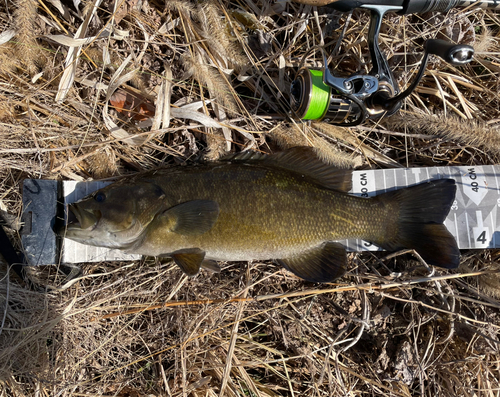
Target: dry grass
[[390, 327]]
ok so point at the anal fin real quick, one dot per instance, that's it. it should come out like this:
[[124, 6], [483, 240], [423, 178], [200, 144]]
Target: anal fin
[[321, 264]]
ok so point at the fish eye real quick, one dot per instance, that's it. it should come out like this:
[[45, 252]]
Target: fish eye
[[100, 197]]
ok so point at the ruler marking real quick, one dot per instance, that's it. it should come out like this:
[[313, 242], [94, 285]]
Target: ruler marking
[[416, 173], [493, 229], [496, 179], [477, 232], [456, 229], [467, 226]]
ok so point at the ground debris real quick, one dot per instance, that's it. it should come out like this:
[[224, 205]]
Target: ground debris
[[143, 328]]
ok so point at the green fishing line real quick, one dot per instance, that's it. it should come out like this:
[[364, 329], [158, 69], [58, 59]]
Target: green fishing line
[[320, 97]]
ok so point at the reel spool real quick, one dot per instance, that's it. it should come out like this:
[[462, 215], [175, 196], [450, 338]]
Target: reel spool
[[312, 99], [319, 94]]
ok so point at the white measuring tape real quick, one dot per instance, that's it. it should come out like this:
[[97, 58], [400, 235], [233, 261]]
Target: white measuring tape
[[473, 219]]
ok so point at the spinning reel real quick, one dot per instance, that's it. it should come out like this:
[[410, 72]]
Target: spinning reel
[[319, 94]]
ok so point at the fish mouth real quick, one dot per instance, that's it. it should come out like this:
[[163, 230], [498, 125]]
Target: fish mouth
[[82, 219]]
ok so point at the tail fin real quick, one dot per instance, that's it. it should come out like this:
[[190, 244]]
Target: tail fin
[[422, 210]]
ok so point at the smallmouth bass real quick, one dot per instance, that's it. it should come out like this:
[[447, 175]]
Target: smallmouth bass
[[289, 207]]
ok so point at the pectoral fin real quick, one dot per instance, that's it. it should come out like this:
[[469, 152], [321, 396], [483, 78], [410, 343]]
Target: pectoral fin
[[192, 218], [322, 264], [189, 260]]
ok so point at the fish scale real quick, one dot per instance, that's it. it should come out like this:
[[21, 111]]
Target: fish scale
[[302, 220], [290, 207]]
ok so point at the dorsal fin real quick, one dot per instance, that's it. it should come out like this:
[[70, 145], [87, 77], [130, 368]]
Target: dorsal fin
[[301, 160]]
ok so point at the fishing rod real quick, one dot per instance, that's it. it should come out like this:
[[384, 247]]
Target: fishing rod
[[348, 101]]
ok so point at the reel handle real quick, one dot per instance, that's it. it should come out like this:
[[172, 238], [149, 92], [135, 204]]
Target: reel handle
[[454, 54]]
